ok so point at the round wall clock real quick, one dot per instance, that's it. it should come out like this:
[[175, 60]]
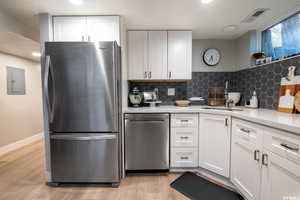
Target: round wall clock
[[211, 57]]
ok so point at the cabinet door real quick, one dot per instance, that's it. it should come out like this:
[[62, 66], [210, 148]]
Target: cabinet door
[[137, 55], [214, 143], [179, 54], [157, 55], [103, 28], [280, 178], [69, 29], [245, 170]]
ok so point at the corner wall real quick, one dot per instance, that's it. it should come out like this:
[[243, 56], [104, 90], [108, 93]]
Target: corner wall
[[20, 115]]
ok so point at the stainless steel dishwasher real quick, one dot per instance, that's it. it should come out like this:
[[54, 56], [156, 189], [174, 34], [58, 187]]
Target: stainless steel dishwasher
[[147, 141]]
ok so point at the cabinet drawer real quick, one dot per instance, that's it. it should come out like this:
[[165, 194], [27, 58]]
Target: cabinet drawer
[[184, 120], [247, 131], [184, 157], [282, 143], [184, 137]]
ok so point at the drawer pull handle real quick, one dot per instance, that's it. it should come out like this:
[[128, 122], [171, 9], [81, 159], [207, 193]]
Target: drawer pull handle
[[265, 159], [184, 120], [184, 137], [256, 155], [245, 130], [288, 147], [184, 157]]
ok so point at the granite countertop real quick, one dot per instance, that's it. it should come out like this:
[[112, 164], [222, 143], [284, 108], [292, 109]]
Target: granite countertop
[[271, 118]]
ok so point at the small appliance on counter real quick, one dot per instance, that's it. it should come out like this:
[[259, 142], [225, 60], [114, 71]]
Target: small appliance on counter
[[135, 97], [150, 98], [216, 96]]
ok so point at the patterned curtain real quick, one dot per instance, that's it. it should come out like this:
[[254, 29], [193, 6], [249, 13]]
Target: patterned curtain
[[288, 32]]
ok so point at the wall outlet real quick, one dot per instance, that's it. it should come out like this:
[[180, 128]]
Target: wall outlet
[[171, 91]]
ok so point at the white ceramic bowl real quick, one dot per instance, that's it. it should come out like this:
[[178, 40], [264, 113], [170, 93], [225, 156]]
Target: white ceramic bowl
[[235, 96]]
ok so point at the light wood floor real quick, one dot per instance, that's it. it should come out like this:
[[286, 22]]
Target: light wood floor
[[22, 178]]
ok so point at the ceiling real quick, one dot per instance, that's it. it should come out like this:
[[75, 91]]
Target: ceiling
[[206, 20], [18, 45]]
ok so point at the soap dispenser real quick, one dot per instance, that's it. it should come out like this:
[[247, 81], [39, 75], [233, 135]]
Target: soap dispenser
[[254, 100]]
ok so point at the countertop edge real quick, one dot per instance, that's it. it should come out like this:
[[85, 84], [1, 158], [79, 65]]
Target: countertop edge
[[235, 114]]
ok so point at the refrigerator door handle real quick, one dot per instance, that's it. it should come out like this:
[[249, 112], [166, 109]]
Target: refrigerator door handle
[[82, 137], [46, 81], [48, 70]]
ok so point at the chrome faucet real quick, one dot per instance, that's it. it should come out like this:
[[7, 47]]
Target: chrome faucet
[[228, 101]]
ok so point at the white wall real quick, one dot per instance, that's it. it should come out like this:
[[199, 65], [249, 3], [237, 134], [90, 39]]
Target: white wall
[[20, 115], [227, 49]]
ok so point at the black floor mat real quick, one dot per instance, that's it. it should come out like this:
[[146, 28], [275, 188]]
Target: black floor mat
[[197, 188]]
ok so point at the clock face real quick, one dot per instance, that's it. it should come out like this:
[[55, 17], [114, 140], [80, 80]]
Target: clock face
[[211, 57]]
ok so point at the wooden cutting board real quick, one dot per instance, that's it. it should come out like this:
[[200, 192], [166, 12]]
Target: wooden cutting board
[[288, 90]]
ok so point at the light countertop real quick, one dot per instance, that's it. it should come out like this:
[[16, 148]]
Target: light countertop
[[271, 118]]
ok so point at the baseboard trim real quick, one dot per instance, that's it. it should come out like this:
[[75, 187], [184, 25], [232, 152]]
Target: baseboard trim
[[21, 143]]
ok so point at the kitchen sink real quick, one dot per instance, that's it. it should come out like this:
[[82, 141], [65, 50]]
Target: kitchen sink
[[222, 108]]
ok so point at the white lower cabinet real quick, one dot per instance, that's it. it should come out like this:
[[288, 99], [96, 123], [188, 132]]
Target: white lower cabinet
[[245, 168], [214, 143], [265, 168], [280, 178], [184, 157], [184, 140]]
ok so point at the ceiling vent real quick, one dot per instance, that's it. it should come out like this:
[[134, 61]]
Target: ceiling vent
[[254, 15]]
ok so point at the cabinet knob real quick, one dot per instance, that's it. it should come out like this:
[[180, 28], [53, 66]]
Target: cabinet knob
[[82, 38], [256, 155], [265, 159], [184, 157], [170, 74], [149, 75], [145, 75], [226, 121]]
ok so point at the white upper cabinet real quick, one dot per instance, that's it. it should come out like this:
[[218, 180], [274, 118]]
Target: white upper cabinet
[[86, 28], [157, 55], [69, 29], [214, 143], [179, 55], [103, 28], [137, 58], [168, 55]]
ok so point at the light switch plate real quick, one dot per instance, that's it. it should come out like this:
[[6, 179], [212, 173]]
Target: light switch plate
[[171, 91]]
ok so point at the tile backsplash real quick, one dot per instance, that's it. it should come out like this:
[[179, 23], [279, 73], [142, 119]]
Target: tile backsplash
[[264, 79]]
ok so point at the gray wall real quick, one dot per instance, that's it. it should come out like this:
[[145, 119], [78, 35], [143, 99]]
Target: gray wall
[[227, 49], [235, 54], [246, 45]]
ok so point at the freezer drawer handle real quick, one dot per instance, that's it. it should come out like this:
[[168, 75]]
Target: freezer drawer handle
[[80, 138]]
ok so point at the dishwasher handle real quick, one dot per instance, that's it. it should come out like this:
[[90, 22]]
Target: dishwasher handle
[[146, 120]]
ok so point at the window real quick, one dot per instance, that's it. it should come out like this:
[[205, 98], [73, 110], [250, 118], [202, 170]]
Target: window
[[282, 39]]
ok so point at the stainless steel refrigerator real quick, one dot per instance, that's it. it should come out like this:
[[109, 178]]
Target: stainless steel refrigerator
[[82, 110]]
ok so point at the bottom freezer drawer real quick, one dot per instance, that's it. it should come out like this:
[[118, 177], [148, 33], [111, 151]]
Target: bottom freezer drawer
[[85, 158]]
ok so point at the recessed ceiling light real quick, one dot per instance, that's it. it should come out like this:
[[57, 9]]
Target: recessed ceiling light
[[76, 2], [230, 28], [206, 1], [36, 54]]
